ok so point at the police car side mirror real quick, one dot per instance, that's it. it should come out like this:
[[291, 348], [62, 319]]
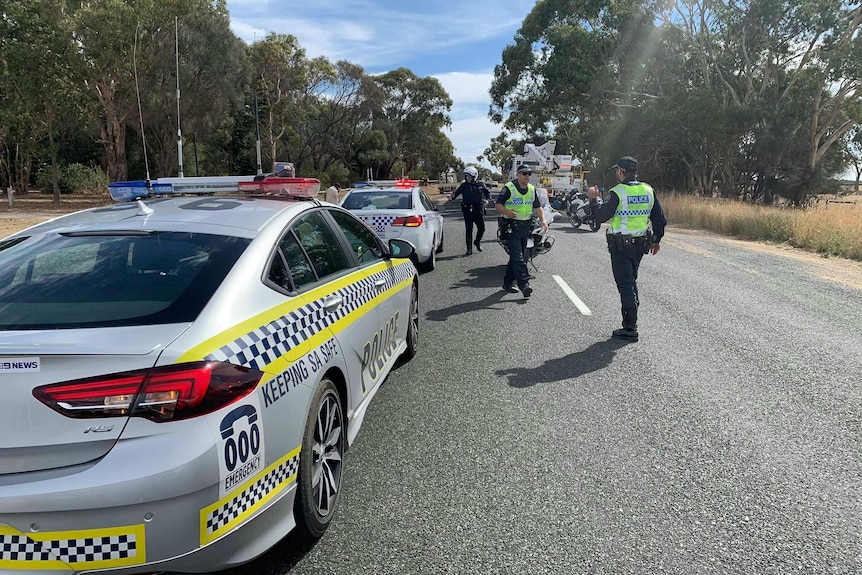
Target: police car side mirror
[[400, 248]]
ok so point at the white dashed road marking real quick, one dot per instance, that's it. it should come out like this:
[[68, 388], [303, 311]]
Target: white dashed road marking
[[572, 296]]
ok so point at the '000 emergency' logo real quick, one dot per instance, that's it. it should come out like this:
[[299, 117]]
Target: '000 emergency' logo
[[242, 448]]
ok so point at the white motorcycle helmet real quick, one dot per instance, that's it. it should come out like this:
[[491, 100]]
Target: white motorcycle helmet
[[471, 172]]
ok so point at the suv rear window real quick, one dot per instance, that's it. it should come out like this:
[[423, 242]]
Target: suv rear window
[[109, 279]]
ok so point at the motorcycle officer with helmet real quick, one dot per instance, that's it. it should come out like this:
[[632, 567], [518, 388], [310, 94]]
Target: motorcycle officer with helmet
[[474, 196]]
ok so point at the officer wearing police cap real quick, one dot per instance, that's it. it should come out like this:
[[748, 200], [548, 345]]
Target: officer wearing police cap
[[516, 205], [636, 226]]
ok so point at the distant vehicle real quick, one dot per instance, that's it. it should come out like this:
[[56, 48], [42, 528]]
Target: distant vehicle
[[401, 211], [560, 174], [182, 375]]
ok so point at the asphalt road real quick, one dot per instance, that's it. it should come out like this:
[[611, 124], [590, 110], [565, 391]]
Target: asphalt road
[[522, 439]]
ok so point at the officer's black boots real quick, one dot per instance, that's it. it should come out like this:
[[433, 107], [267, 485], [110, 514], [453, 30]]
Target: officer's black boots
[[629, 330], [478, 245]]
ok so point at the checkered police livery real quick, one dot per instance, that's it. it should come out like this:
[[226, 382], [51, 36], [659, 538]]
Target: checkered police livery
[[111, 548], [269, 342], [378, 223], [228, 512]]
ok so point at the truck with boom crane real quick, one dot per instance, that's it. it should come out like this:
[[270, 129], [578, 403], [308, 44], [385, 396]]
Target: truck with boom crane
[[560, 174]]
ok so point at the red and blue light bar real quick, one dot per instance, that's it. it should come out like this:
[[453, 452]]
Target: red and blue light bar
[[272, 186]]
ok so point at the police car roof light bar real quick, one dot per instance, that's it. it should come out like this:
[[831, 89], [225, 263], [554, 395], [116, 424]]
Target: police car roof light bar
[[406, 183], [296, 188]]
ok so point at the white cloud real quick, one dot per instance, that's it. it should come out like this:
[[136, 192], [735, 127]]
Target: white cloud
[[471, 131], [467, 88], [371, 34], [471, 136]]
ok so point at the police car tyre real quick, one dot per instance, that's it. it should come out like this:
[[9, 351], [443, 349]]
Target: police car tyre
[[429, 264], [320, 462], [440, 247], [413, 325]]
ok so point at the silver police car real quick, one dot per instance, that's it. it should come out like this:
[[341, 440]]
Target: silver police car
[[181, 377]]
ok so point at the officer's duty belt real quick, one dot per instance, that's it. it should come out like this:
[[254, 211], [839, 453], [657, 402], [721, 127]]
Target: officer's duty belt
[[624, 240]]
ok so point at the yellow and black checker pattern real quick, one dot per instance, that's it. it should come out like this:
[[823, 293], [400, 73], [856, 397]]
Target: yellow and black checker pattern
[[226, 514], [91, 549]]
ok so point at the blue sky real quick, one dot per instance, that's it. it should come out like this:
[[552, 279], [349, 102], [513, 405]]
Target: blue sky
[[457, 41]]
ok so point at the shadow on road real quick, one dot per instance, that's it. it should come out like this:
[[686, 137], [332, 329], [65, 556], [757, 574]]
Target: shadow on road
[[486, 303], [576, 364], [482, 278]]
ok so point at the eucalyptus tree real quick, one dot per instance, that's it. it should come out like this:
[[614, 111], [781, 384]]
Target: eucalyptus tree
[[195, 49], [582, 64], [414, 109], [342, 123], [126, 50], [500, 152], [37, 85], [793, 66], [735, 96], [281, 71]]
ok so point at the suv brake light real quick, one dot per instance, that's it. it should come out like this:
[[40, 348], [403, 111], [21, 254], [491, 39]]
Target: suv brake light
[[409, 221], [168, 393]]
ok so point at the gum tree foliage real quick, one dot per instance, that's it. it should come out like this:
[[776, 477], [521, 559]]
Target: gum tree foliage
[[37, 87], [791, 69], [332, 120], [214, 75], [287, 81], [414, 110], [343, 124], [741, 98], [124, 45]]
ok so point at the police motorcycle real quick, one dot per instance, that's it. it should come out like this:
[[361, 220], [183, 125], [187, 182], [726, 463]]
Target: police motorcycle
[[580, 211], [539, 240]]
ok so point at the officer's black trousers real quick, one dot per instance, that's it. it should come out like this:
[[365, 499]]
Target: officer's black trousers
[[625, 261], [516, 241], [473, 215]]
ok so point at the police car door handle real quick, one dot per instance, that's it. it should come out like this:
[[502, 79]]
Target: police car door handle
[[381, 283], [332, 303]]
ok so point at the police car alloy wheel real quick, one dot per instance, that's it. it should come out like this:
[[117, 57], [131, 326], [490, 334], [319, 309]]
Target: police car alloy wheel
[[320, 465]]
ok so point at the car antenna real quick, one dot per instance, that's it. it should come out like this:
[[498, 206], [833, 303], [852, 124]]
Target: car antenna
[[140, 113], [144, 209]]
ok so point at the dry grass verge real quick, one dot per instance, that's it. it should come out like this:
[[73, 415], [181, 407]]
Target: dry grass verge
[[828, 229]]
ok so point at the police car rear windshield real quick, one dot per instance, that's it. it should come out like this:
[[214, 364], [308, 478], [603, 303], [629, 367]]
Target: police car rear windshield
[[378, 200], [113, 279]]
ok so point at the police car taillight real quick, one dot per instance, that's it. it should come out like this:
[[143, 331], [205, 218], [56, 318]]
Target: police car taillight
[[168, 393], [286, 187], [408, 222]]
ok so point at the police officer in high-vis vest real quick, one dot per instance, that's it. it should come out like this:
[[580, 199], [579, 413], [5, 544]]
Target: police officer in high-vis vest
[[636, 226], [516, 204]]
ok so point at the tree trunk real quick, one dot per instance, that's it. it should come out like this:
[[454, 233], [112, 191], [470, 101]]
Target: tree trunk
[[55, 169], [112, 129]]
